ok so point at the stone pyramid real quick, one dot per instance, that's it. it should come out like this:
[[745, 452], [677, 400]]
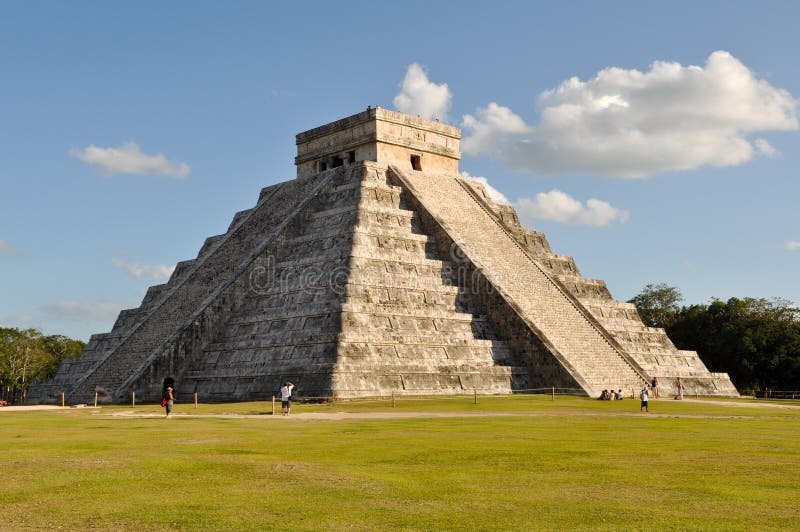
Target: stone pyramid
[[377, 270]]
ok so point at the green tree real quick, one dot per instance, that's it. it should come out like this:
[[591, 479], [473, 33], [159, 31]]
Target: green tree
[[756, 341], [22, 356], [27, 355], [658, 304], [59, 347]]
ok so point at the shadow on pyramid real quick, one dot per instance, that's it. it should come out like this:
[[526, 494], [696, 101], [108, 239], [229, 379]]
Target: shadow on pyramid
[[378, 270]]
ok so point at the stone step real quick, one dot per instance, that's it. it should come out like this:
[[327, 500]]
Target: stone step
[[391, 232], [238, 374], [209, 244], [418, 338], [251, 316], [610, 308], [430, 368], [239, 216], [414, 252], [375, 322], [498, 353], [401, 291], [584, 287], [399, 301], [361, 209], [559, 264], [369, 234], [372, 198], [621, 325], [406, 311], [277, 338], [126, 319], [359, 383]]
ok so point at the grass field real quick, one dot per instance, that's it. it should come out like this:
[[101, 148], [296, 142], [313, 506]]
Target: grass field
[[507, 463]]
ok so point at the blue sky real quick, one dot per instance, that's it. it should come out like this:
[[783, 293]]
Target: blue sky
[[222, 88]]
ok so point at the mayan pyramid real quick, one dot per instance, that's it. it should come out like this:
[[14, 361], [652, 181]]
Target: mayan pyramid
[[377, 270]]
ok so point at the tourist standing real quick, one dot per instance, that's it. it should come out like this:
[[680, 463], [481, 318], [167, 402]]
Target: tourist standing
[[680, 387], [654, 387], [286, 397], [643, 397], [170, 400]]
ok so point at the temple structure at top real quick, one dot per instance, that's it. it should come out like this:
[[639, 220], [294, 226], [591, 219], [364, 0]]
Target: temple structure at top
[[382, 136]]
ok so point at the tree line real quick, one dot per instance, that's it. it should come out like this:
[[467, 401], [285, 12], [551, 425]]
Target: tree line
[[27, 355], [755, 340]]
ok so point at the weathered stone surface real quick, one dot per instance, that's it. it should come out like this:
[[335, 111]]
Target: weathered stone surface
[[377, 270]]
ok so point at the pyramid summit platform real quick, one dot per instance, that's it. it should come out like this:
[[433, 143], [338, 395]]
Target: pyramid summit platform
[[377, 270]]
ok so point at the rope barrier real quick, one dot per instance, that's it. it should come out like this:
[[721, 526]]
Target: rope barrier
[[416, 396]]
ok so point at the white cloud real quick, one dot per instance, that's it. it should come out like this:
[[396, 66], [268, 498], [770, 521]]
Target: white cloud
[[560, 207], [157, 272], [494, 194], [82, 311], [127, 158], [6, 248], [792, 245], [765, 148], [556, 206], [419, 96], [627, 123], [494, 123], [20, 321]]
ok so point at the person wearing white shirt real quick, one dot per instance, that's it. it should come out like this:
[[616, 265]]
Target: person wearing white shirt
[[643, 396], [286, 397]]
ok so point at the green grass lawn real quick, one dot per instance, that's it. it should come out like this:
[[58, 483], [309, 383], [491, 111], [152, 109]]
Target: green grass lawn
[[572, 463]]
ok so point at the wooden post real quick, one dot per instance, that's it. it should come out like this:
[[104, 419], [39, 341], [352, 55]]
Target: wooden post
[[475, 393], [394, 404], [195, 400], [95, 399], [63, 403], [133, 399], [554, 394], [273, 405]]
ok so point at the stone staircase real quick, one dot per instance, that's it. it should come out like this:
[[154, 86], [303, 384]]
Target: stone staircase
[[286, 324], [146, 333], [406, 325], [650, 347], [560, 321]]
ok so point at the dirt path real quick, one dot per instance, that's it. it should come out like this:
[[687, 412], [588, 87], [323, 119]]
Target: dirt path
[[335, 416], [340, 416], [28, 408], [744, 404]]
